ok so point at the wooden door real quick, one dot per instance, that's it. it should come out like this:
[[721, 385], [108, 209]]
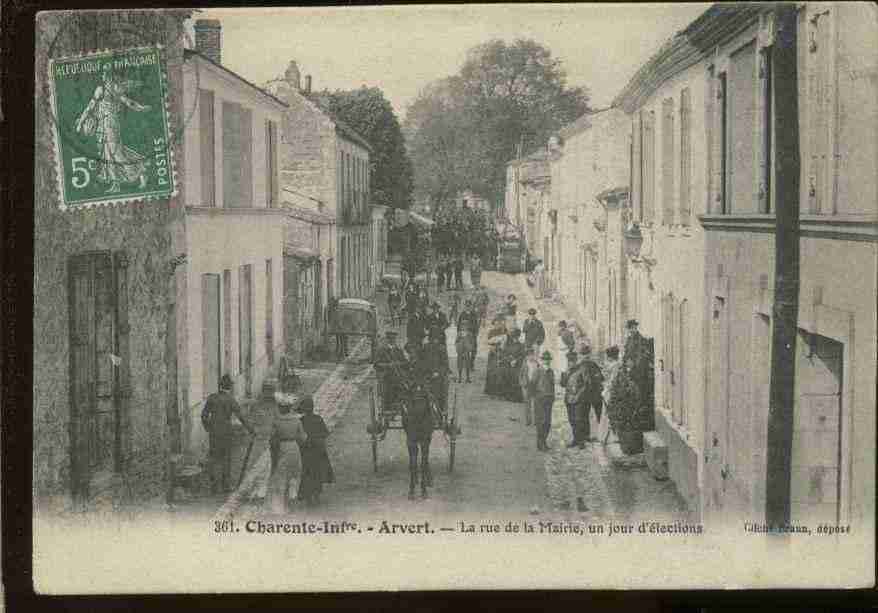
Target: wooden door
[[815, 480], [210, 332], [94, 398]]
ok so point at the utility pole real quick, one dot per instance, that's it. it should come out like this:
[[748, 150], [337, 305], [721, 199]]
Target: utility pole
[[786, 269]]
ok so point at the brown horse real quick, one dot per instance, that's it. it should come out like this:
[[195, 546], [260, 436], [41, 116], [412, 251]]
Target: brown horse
[[417, 420]]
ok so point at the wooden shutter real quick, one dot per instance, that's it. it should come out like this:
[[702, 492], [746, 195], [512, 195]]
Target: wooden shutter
[[207, 133], [742, 117], [271, 168], [817, 100], [246, 157], [649, 168], [269, 313], [685, 156], [232, 166], [637, 166], [668, 161]]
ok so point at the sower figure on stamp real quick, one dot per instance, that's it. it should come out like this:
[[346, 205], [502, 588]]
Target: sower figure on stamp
[[544, 390], [216, 417], [102, 117]]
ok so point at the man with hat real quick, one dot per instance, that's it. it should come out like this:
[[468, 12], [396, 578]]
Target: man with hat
[[534, 332], [391, 366], [589, 382], [469, 320], [416, 328], [437, 322], [216, 417], [544, 392], [572, 386], [432, 370]]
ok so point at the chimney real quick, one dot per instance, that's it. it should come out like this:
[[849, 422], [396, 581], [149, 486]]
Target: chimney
[[308, 85], [292, 77], [208, 39]]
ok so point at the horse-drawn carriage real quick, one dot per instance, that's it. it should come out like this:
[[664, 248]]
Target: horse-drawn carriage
[[354, 317], [411, 407]]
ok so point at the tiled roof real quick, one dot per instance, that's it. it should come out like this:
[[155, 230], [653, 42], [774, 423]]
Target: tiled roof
[[187, 53]]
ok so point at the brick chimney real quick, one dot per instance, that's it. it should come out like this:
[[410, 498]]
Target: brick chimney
[[292, 76], [208, 39], [308, 85]]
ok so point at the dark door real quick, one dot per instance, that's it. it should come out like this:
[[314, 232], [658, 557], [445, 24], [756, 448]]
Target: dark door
[[210, 332], [245, 326]]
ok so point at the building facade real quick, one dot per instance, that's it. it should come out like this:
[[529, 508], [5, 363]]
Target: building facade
[[832, 478], [229, 283], [322, 158], [103, 343]]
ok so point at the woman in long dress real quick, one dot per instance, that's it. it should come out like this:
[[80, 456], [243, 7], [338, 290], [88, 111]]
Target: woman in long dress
[[316, 468], [287, 434]]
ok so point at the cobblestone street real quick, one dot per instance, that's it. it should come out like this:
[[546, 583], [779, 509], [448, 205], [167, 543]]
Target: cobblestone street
[[498, 470]]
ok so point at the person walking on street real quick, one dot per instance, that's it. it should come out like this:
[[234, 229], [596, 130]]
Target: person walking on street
[[440, 274], [475, 271], [534, 332], [458, 272], [570, 381], [511, 358], [544, 390], [216, 417], [437, 323], [287, 434], [527, 379], [611, 368], [416, 328], [316, 467], [539, 274], [589, 390]]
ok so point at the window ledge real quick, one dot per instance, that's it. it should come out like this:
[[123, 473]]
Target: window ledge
[[214, 211], [842, 227]]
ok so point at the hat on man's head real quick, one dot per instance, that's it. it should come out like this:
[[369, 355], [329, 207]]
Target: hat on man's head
[[435, 306], [547, 357], [631, 323], [585, 350], [515, 332], [531, 311], [226, 382], [306, 404]]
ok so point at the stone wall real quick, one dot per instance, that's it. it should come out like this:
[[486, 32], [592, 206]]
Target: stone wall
[[140, 230]]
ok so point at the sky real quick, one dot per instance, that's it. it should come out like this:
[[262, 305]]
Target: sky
[[403, 48]]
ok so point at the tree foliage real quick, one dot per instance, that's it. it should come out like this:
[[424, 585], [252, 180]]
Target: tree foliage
[[463, 231], [464, 129], [371, 115]]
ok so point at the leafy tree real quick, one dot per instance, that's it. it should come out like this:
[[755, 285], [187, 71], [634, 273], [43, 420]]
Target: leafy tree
[[463, 231], [367, 111], [463, 130]]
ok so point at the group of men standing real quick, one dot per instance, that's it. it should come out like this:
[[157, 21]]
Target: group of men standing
[[449, 271]]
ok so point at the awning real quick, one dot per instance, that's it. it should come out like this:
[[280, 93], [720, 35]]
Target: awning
[[300, 252]]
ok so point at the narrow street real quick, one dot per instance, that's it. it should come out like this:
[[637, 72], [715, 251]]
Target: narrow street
[[498, 472]]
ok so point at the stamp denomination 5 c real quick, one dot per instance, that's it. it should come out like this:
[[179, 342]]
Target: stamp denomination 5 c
[[112, 134]]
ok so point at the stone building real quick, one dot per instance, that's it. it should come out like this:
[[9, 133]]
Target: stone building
[[104, 300], [230, 279], [592, 160], [527, 186], [323, 158], [833, 449]]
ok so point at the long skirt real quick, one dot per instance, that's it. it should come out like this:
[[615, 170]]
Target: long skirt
[[492, 374], [316, 469], [254, 483], [284, 483]]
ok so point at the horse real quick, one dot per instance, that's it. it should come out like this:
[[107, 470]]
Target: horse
[[465, 345], [417, 420]]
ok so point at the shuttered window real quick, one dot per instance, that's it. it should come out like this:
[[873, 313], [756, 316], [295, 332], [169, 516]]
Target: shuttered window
[[741, 111], [271, 169], [685, 156], [818, 100], [637, 166], [237, 156], [269, 312], [207, 137], [668, 161], [649, 168]]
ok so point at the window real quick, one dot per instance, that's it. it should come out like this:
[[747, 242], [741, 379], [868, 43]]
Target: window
[[271, 169], [245, 325], [685, 156], [637, 166], [668, 161], [819, 96], [237, 156], [207, 135], [741, 118], [227, 321], [99, 364], [721, 184], [765, 194]]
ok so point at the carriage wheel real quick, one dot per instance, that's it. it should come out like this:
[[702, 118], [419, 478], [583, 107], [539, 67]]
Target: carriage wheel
[[374, 421]]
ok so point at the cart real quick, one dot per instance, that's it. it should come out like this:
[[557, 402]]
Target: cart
[[355, 317], [389, 416]]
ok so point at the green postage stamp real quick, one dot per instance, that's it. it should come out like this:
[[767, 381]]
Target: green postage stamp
[[113, 142]]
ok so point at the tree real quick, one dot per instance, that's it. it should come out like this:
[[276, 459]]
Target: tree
[[462, 230], [371, 115], [463, 130]]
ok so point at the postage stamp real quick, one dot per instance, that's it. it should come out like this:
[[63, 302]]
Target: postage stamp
[[112, 127]]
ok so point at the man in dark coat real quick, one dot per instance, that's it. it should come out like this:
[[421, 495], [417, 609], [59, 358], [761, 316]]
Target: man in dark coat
[[544, 392], [416, 328], [458, 272], [391, 365], [590, 386], [534, 332], [469, 320], [437, 323], [316, 468], [216, 417], [432, 371], [570, 382]]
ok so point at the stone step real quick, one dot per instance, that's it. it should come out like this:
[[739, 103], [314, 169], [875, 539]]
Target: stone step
[[656, 452]]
